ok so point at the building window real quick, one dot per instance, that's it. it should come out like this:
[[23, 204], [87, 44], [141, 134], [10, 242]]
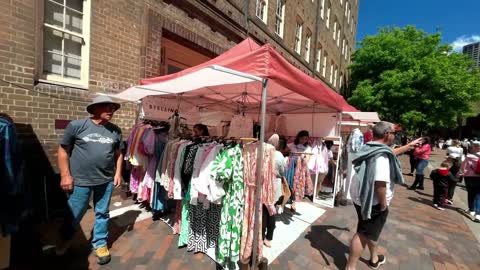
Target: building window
[[298, 37], [341, 81], [349, 15], [346, 8], [65, 41], [328, 17], [261, 10], [318, 59], [335, 76], [346, 50], [322, 9], [280, 17], [331, 73], [307, 46], [339, 30], [334, 29], [343, 46], [341, 2], [324, 65]]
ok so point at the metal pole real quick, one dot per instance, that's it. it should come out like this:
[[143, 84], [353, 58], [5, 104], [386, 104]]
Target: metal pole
[[258, 191]]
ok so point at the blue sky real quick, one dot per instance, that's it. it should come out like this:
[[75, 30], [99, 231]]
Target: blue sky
[[459, 20]]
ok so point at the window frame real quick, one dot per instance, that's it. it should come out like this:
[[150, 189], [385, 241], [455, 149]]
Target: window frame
[[280, 19], [327, 20], [318, 59], [324, 64], [264, 18], [332, 66], [308, 45], [42, 26], [322, 9], [297, 45]]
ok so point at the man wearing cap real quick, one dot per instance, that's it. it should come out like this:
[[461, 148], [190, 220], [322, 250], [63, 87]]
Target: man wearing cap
[[90, 161]]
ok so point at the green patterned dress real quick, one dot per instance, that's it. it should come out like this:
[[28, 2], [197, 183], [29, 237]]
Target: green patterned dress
[[228, 169]]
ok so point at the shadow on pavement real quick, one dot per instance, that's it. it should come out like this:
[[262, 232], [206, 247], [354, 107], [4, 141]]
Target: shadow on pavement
[[326, 243], [423, 193]]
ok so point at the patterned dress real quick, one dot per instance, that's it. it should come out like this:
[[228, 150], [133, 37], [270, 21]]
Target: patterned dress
[[228, 168], [267, 195]]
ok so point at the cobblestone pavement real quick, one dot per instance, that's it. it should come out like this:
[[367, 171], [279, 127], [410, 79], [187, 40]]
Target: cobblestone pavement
[[416, 236]]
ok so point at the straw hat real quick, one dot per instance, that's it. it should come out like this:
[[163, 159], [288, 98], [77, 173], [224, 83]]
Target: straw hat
[[102, 100]]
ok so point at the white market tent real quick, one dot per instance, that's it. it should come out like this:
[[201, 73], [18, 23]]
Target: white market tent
[[251, 79]]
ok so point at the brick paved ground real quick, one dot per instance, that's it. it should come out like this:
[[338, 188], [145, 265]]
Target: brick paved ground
[[416, 236]]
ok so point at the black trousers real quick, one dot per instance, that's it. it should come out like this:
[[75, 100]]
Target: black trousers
[[439, 194], [472, 183], [451, 190], [413, 163], [268, 224]]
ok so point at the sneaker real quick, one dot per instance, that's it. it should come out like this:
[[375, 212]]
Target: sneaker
[[381, 261], [103, 255], [472, 214], [438, 207], [449, 202], [477, 218]]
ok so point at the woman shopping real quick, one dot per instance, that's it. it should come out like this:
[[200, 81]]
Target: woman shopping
[[471, 173], [422, 154], [300, 144], [268, 222], [298, 176]]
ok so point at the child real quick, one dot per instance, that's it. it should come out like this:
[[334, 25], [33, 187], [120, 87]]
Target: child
[[441, 178]]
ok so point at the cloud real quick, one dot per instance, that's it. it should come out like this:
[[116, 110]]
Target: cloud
[[464, 40]]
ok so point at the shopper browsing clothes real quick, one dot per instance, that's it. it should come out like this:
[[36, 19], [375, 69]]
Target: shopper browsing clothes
[[377, 169], [300, 145], [422, 155], [90, 161], [200, 130], [471, 172], [268, 222]]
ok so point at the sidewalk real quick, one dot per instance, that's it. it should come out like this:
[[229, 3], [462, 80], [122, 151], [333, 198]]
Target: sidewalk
[[417, 236]]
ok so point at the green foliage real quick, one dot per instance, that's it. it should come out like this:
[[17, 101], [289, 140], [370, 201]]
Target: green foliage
[[409, 77]]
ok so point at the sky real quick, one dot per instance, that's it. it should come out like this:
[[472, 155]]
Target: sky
[[458, 20]]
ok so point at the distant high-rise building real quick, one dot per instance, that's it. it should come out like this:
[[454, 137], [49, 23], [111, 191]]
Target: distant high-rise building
[[473, 51]]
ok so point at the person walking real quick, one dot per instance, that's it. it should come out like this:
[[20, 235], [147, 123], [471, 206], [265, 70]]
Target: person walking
[[470, 173], [441, 178], [377, 170], [422, 155], [90, 161]]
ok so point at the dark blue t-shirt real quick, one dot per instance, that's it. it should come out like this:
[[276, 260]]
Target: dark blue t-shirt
[[92, 161]]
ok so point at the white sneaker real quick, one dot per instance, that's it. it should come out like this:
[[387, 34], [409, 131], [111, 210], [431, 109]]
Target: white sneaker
[[449, 202], [438, 207], [472, 214], [477, 218]]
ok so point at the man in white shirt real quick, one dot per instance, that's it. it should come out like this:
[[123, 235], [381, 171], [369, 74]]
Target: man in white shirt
[[384, 164]]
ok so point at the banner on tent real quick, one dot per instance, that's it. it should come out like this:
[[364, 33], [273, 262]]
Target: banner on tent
[[158, 108]]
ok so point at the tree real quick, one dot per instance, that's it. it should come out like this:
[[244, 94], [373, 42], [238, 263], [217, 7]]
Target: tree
[[410, 78]]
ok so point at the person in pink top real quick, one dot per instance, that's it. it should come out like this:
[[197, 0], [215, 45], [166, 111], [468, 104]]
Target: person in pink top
[[422, 155], [472, 179]]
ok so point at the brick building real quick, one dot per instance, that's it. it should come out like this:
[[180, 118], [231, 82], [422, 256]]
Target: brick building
[[55, 53]]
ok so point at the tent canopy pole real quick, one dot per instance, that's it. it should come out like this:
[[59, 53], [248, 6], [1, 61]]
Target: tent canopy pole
[[258, 192]]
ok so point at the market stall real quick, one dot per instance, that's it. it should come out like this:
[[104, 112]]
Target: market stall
[[249, 81]]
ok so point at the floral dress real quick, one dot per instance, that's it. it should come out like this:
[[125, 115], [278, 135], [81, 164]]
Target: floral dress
[[228, 168]]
